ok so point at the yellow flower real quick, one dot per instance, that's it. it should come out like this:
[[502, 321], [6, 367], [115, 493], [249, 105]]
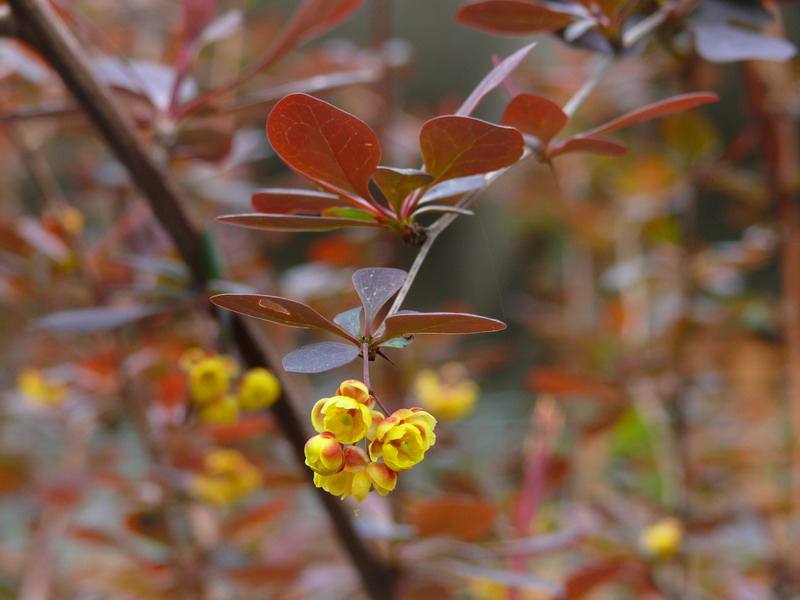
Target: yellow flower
[[209, 375], [40, 392], [227, 477], [223, 410], [345, 417], [324, 454], [450, 393], [259, 389], [382, 477], [357, 477], [356, 390], [403, 437], [663, 540]]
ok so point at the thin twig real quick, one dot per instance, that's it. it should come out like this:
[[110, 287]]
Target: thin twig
[[590, 86]]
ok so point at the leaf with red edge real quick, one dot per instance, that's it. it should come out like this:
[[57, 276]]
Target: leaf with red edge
[[495, 77], [321, 357], [519, 17], [396, 184], [535, 115], [324, 144], [313, 18], [588, 145], [293, 313], [409, 322], [654, 110], [289, 202], [293, 222], [454, 146]]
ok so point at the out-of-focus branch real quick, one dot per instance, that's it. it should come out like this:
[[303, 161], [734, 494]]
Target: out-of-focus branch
[[41, 28]]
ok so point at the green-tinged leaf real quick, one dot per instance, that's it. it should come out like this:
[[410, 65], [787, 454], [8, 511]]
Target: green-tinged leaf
[[536, 116], [293, 222], [375, 287], [349, 213], [520, 17], [397, 184], [588, 145], [289, 312], [455, 146], [453, 188], [289, 202], [495, 77], [350, 321], [400, 342], [97, 319], [324, 144], [407, 322], [317, 358], [654, 110]]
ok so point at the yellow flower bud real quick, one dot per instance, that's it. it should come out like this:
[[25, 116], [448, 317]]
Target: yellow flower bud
[[209, 376], [450, 393], [227, 477], [403, 438], [342, 416], [356, 390], [39, 391], [324, 454], [223, 410], [663, 540], [259, 389]]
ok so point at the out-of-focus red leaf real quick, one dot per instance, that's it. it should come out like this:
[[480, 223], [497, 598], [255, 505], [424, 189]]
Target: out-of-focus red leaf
[[466, 518], [511, 17], [588, 145], [150, 523], [495, 77], [557, 380], [455, 146], [293, 222], [583, 581], [242, 430], [257, 517], [293, 313], [536, 116], [196, 15], [654, 110], [406, 323], [396, 184], [290, 202], [324, 144]]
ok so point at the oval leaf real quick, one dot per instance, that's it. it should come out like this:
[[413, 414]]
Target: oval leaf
[[324, 144], [721, 43], [406, 322], [455, 146], [511, 17], [293, 313], [535, 115], [96, 319], [293, 222], [375, 286], [654, 110], [396, 184], [317, 358], [589, 145], [350, 321], [290, 202]]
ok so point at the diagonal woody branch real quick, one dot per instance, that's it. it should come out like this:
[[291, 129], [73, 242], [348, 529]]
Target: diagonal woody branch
[[41, 28]]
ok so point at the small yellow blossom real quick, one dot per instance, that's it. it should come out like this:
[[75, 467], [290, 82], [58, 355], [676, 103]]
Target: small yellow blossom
[[209, 375], [352, 388], [259, 389], [663, 540], [227, 477], [449, 393], [39, 391], [324, 454], [357, 477], [403, 438], [222, 410], [345, 417]]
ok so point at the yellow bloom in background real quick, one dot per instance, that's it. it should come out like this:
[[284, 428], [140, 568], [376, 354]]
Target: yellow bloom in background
[[403, 438], [209, 375], [449, 393], [664, 539], [259, 389], [221, 410], [38, 391], [324, 455], [227, 477], [345, 417]]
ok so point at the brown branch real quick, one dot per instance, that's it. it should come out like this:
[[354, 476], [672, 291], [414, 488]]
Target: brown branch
[[41, 28]]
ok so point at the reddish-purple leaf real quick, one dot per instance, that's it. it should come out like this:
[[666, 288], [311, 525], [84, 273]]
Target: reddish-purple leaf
[[313, 18], [318, 358], [289, 312], [536, 116], [396, 184], [511, 17], [588, 145], [654, 110], [375, 286], [324, 144], [455, 146], [495, 77], [289, 202], [407, 323], [293, 222]]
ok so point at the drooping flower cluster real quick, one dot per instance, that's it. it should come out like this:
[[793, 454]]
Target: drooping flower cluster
[[343, 469], [226, 478], [210, 378], [450, 393]]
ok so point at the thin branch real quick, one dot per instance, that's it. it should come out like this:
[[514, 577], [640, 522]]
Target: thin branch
[[590, 86]]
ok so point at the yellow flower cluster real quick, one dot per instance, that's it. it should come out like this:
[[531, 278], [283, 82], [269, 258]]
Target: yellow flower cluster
[[449, 392], [664, 539], [401, 440], [226, 478], [39, 390], [210, 377]]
